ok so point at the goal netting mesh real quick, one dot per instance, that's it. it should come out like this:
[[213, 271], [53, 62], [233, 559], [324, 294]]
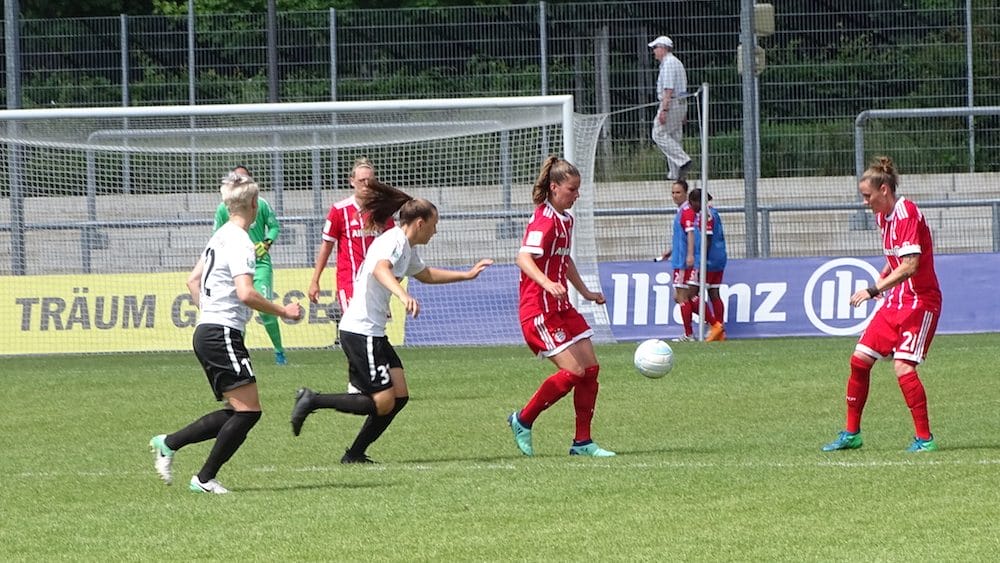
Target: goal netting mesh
[[105, 212]]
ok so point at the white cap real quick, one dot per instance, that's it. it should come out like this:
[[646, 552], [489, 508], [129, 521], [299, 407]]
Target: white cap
[[662, 40]]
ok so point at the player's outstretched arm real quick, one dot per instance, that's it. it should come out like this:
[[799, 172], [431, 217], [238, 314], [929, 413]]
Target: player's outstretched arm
[[431, 275]]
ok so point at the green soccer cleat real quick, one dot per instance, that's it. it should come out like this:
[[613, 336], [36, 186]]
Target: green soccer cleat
[[522, 435], [845, 441], [918, 445], [590, 449], [163, 458], [280, 359]]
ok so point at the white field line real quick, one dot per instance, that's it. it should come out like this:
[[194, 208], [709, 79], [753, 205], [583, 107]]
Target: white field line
[[530, 465]]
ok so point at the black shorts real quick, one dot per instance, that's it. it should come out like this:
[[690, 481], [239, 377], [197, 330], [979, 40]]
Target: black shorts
[[369, 359], [224, 357]]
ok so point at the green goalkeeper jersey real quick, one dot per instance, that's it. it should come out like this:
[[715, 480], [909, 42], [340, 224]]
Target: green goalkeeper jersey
[[264, 227]]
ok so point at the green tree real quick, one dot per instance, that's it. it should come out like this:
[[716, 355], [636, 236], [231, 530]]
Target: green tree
[[84, 8]]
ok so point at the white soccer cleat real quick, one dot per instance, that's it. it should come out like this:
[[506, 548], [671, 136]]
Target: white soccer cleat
[[163, 458], [212, 486]]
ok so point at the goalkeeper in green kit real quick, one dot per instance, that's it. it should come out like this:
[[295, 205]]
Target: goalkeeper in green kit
[[263, 232]]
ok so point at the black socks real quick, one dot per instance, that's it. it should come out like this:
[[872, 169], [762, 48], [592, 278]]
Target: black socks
[[373, 428], [229, 439]]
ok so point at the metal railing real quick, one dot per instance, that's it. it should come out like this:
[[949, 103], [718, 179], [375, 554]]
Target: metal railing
[[93, 239]]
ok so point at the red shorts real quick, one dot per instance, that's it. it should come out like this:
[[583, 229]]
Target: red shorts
[[549, 334], [686, 277], [906, 334], [713, 279]]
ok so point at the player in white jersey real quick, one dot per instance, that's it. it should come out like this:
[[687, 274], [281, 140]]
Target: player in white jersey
[[374, 368], [221, 285]]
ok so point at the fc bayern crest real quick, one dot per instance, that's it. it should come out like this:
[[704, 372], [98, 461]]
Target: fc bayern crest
[[559, 335]]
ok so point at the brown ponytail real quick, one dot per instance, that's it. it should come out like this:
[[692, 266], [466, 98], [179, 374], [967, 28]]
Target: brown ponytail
[[554, 170], [381, 201]]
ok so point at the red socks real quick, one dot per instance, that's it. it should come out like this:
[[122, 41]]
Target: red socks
[[857, 393], [909, 384], [551, 390], [916, 399], [686, 318], [719, 308], [584, 399], [557, 385], [709, 317]]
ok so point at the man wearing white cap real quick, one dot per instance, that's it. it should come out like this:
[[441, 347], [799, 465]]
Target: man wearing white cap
[[668, 126]]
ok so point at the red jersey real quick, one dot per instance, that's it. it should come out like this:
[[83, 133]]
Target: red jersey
[[345, 225], [689, 218], [905, 232], [548, 238]]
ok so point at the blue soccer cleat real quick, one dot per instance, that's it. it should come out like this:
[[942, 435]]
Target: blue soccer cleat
[[590, 449], [845, 441], [522, 435], [919, 445]]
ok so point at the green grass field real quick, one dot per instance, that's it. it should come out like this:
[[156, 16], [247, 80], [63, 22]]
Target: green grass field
[[718, 461]]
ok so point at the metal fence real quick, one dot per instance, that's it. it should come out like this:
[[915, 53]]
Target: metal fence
[[826, 63]]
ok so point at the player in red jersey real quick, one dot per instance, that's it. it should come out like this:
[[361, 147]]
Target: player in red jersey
[[552, 327], [911, 303], [345, 228], [715, 265], [681, 245]]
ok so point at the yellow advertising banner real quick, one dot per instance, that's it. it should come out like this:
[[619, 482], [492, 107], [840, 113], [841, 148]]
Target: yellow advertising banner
[[147, 313]]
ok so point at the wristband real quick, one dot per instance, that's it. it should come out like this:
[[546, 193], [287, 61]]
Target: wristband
[[873, 291]]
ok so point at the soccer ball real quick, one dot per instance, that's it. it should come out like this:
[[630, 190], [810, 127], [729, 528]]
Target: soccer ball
[[654, 358]]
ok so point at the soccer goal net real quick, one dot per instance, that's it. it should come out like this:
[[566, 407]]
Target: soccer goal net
[[105, 211]]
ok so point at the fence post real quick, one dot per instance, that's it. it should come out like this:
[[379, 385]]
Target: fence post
[[996, 227], [543, 65], [126, 100], [969, 76], [12, 45], [333, 54], [750, 126], [191, 91], [765, 234]]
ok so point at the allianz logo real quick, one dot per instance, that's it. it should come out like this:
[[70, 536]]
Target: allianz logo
[[641, 299], [826, 297]]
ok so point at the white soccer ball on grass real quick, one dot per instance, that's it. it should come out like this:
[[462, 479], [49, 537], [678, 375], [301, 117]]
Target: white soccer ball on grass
[[654, 358]]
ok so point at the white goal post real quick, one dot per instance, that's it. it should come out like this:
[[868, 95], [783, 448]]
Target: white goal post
[[104, 210]]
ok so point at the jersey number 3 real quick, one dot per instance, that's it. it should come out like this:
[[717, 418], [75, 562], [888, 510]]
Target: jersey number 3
[[381, 375]]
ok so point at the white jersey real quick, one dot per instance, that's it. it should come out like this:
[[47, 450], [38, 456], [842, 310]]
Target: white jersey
[[369, 308], [229, 253]]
